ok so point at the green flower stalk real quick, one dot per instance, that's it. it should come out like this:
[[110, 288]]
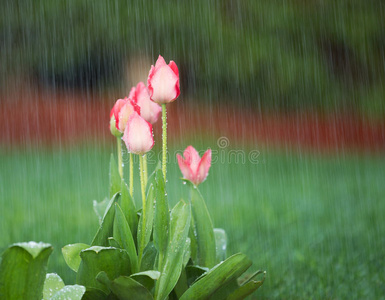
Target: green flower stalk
[[163, 85], [131, 183], [145, 169], [120, 162], [164, 140]]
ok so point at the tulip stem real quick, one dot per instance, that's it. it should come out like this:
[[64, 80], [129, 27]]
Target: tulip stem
[[131, 174], [145, 170], [141, 170], [143, 217], [164, 137], [120, 163]]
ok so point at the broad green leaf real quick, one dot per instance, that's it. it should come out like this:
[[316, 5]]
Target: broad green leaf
[[146, 278], [247, 287], [122, 234], [213, 284], [71, 254], [150, 273], [100, 208], [220, 244], [113, 243], [94, 294], [106, 227], [23, 269], [125, 288], [173, 260], [52, 284], [194, 272], [128, 207], [114, 262], [181, 286], [115, 180], [202, 233], [73, 292], [145, 222], [161, 216], [149, 256]]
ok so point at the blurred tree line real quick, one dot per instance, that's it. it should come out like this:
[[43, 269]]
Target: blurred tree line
[[268, 54]]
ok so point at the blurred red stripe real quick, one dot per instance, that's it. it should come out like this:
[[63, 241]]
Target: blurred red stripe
[[47, 118]]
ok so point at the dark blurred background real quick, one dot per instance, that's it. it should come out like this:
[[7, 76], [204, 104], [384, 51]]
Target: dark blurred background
[[323, 55]]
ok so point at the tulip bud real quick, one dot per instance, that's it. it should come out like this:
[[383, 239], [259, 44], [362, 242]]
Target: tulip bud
[[163, 82], [138, 135], [193, 167], [149, 110], [120, 113]]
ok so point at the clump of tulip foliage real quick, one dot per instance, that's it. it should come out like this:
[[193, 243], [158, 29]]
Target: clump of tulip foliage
[[147, 253]]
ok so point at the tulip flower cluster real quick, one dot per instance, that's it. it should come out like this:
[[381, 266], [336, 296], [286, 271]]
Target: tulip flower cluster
[[151, 253], [132, 117]]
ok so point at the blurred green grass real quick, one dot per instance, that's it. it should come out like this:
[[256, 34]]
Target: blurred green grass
[[313, 222]]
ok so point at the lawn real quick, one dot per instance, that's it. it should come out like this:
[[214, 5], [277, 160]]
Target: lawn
[[312, 221]]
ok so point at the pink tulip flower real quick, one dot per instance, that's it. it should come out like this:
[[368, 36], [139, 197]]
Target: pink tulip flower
[[163, 82], [193, 167], [138, 135], [120, 114], [149, 110]]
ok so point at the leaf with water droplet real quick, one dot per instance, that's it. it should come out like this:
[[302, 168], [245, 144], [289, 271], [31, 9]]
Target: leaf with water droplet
[[220, 244], [122, 234], [73, 292], [105, 229], [71, 254], [52, 284], [146, 221], [114, 262], [173, 260], [23, 268], [161, 217], [127, 205], [203, 251], [220, 281]]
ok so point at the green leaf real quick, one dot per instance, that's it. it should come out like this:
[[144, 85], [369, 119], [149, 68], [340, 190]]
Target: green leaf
[[201, 233], [71, 254], [52, 284], [181, 286], [151, 178], [122, 234], [128, 207], [173, 260], [248, 287], [145, 227], [73, 292], [146, 278], [125, 288], [115, 180], [94, 294], [194, 272], [106, 227], [100, 208], [149, 257], [214, 283], [23, 269], [161, 216], [187, 252], [114, 262], [113, 243], [220, 244]]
